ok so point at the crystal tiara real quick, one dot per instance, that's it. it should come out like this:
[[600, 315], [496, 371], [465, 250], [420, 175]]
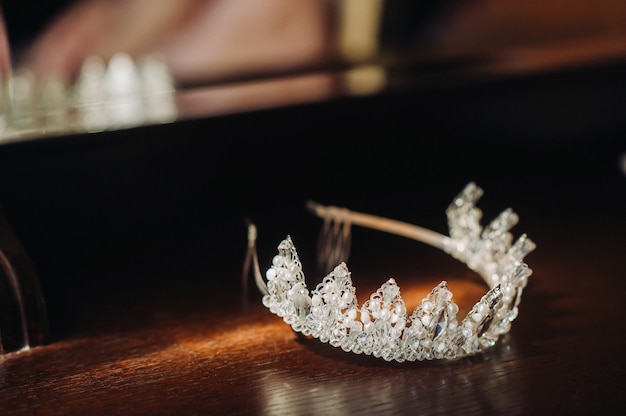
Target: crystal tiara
[[381, 326]]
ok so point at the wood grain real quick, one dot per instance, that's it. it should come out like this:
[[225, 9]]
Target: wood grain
[[207, 352]]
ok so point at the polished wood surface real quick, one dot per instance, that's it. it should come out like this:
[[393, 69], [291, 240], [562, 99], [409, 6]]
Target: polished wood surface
[[205, 351], [139, 240]]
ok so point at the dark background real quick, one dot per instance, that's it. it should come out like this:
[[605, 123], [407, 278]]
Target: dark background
[[26, 19], [547, 145], [138, 239]]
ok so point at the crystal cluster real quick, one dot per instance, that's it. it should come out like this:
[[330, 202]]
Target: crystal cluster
[[381, 326], [121, 93]]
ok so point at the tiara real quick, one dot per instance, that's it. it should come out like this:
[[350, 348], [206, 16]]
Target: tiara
[[381, 326]]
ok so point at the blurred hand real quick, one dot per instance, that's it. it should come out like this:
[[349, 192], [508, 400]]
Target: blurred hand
[[200, 40]]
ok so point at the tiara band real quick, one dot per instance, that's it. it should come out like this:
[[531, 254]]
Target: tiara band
[[381, 326]]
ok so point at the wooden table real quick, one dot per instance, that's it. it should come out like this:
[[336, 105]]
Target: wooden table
[[139, 240]]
